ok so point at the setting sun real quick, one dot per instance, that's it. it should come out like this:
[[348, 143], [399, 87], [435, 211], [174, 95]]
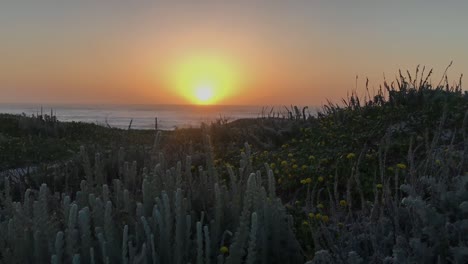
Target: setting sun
[[204, 93], [204, 79]]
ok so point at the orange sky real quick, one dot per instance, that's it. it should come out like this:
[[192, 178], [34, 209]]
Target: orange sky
[[284, 53]]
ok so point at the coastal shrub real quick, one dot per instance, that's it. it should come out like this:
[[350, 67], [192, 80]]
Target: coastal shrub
[[159, 214]]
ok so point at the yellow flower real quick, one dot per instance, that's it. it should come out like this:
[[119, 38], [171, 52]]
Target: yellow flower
[[306, 181], [279, 181], [325, 218], [284, 146], [284, 163], [390, 168], [305, 223], [379, 186], [304, 167], [295, 166], [320, 179], [343, 203], [318, 216], [311, 215], [320, 206], [224, 250], [437, 162], [351, 156], [401, 166], [290, 155], [272, 165]]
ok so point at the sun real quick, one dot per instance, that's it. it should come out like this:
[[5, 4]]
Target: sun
[[204, 79], [204, 93]]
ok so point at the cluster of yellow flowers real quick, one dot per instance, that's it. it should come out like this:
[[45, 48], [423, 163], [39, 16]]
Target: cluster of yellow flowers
[[319, 217], [306, 181], [351, 156]]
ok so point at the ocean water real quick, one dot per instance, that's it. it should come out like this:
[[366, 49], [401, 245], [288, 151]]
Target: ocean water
[[143, 116]]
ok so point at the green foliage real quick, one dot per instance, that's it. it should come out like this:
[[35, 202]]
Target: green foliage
[[29, 141]]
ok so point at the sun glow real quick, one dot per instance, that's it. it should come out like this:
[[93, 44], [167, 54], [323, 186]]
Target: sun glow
[[204, 79]]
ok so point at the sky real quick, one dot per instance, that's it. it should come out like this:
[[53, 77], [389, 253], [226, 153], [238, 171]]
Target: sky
[[257, 52]]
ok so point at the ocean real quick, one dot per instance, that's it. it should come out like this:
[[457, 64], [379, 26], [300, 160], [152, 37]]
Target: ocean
[[143, 116]]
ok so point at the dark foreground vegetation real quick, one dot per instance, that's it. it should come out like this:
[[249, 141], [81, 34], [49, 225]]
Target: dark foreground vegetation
[[382, 179]]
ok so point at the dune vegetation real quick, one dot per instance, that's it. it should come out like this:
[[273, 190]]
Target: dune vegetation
[[375, 179]]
